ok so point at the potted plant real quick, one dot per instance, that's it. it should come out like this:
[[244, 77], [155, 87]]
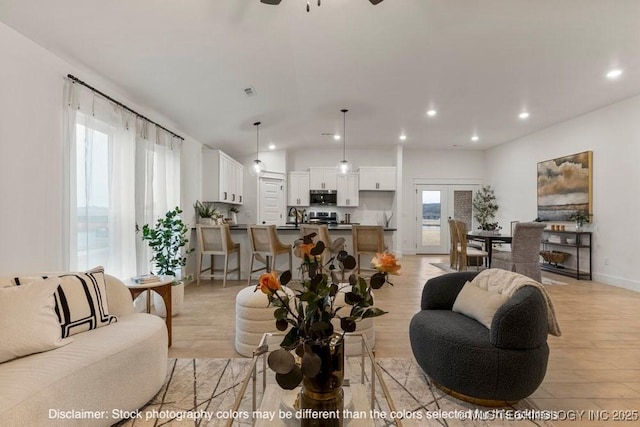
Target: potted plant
[[167, 240], [485, 208], [205, 212], [580, 218], [234, 214]]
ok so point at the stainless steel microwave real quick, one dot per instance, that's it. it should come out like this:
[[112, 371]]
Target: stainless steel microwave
[[323, 197]]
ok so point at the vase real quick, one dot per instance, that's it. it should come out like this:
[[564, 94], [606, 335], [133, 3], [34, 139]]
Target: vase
[[322, 397]]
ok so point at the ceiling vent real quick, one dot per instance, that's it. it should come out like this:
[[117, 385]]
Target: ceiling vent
[[249, 91]]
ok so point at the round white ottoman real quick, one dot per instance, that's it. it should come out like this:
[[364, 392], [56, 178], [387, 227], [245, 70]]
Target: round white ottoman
[[254, 318]]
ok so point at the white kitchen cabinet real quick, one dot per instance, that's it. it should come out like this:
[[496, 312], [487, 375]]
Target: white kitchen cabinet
[[348, 195], [377, 178], [298, 194], [323, 179], [222, 178]]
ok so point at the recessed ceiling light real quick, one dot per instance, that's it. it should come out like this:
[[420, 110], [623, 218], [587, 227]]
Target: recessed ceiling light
[[475, 138], [614, 74], [524, 115], [336, 137], [431, 113], [272, 147], [403, 137]]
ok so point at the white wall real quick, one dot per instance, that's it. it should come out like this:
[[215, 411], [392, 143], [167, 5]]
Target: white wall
[[613, 134], [31, 152], [301, 160], [436, 167]]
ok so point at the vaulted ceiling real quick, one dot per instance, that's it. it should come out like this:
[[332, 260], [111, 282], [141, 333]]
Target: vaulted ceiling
[[479, 63]]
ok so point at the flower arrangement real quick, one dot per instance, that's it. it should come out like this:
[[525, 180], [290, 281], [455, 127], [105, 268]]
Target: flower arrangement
[[310, 311]]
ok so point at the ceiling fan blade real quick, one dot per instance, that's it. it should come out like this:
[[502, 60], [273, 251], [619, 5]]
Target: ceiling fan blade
[[375, 2], [273, 2]]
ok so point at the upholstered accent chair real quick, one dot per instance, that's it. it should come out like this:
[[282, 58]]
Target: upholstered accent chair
[[487, 366], [524, 257]]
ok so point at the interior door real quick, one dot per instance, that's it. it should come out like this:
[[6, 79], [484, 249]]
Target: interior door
[[435, 205], [271, 204]]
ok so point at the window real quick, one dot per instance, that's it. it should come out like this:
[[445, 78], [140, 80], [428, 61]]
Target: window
[[120, 170], [92, 197]]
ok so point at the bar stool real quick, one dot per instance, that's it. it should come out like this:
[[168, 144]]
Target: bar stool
[[322, 234], [265, 247], [367, 240], [216, 240]]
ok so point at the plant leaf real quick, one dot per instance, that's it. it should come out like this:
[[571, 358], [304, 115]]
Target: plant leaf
[[347, 324], [377, 280], [373, 312], [290, 380], [281, 361], [282, 325], [285, 278]]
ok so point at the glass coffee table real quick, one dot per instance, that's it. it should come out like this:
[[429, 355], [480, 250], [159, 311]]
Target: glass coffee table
[[262, 402]]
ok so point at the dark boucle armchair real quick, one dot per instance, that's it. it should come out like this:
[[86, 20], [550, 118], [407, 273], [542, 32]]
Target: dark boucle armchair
[[488, 367]]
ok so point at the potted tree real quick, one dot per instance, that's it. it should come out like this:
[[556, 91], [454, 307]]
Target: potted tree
[[205, 212], [167, 240], [485, 208]]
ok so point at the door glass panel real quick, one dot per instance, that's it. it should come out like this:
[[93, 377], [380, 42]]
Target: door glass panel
[[431, 217], [462, 206]]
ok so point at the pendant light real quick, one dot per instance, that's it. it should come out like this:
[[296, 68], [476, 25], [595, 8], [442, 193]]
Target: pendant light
[[344, 167], [257, 167]]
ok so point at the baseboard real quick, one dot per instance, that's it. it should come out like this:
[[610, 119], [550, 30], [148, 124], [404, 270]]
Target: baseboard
[[620, 282]]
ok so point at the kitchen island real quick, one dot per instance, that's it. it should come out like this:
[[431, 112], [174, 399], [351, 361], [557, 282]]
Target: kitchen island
[[288, 235]]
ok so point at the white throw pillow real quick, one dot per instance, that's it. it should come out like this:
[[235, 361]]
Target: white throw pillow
[[28, 320], [81, 301], [479, 304]]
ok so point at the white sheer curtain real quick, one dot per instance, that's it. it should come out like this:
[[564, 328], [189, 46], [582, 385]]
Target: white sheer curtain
[[158, 156], [107, 148]]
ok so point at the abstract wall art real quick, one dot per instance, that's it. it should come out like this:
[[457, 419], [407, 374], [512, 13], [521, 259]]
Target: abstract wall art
[[565, 186]]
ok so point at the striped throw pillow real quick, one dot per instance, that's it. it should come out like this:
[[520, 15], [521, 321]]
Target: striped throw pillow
[[80, 301]]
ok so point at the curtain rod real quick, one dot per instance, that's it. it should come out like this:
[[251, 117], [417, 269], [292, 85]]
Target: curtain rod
[[120, 104]]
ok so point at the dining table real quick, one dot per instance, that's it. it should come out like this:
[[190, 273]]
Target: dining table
[[488, 239]]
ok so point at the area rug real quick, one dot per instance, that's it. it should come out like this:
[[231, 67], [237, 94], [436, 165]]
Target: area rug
[[201, 392], [446, 268]]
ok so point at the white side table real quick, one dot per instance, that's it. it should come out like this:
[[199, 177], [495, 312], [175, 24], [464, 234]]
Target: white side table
[[162, 287]]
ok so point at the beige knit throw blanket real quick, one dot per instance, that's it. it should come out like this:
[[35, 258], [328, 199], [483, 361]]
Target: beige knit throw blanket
[[507, 283]]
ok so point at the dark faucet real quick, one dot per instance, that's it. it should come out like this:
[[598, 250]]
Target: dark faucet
[[294, 212]]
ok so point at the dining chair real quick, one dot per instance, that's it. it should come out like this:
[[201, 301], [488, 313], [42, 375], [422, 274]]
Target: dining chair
[[265, 247], [215, 240], [367, 240], [453, 242], [464, 251], [524, 257]]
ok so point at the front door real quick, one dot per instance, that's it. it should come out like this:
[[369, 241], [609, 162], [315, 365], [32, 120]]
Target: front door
[[435, 205], [271, 204]]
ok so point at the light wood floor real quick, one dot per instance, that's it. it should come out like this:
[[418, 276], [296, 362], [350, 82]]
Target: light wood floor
[[595, 365]]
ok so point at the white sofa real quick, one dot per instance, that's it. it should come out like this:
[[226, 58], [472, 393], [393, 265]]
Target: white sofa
[[107, 371]]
